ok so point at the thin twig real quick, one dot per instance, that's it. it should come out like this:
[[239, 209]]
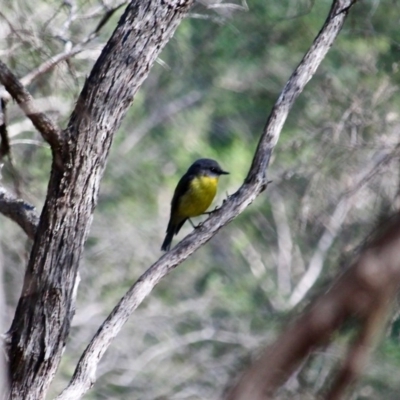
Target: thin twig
[[72, 51]]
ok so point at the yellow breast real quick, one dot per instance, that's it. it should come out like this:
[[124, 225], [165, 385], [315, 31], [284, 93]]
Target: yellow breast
[[198, 198]]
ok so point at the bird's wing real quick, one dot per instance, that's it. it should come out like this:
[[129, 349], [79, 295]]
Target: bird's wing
[[181, 188]]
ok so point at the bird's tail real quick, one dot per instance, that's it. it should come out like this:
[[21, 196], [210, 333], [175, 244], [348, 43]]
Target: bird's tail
[[168, 239], [173, 229]]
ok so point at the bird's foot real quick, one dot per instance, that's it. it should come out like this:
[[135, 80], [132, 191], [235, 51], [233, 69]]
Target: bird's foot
[[211, 212], [198, 225], [195, 226]]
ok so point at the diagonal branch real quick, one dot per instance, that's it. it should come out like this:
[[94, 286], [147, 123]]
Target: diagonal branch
[[255, 183], [42, 123], [364, 343], [19, 211], [296, 84], [364, 292]]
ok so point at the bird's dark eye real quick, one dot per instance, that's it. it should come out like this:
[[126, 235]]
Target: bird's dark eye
[[213, 169]]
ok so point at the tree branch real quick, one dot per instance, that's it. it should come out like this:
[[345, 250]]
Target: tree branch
[[19, 211], [357, 356], [42, 123], [284, 242], [84, 376], [296, 84], [42, 319], [363, 292]]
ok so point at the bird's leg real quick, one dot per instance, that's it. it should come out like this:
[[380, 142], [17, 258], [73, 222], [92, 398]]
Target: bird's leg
[[191, 223], [211, 212], [195, 226]]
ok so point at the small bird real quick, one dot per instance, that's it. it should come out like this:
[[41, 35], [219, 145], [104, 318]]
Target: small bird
[[193, 195]]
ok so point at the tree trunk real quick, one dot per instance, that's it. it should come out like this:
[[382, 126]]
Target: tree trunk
[[42, 320]]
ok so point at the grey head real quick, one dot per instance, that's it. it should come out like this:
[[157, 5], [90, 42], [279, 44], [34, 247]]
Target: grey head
[[206, 166]]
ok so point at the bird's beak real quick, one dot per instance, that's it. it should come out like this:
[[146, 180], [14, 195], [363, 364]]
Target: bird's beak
[[222, 172]]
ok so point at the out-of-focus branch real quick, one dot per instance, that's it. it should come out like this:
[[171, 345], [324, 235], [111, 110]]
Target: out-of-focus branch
[[336, 221], [162, 349], [70, 50], [363, 291], [19, 211], [285, 243], [68, 53], [159, 116], [255, 183], [42, 123], [53, 62], [362, 346]]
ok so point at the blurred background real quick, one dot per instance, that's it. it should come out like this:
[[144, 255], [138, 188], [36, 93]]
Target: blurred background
[[334, 173]]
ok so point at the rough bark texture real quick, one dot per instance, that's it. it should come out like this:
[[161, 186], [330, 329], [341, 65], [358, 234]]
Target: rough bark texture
[[42, 320]]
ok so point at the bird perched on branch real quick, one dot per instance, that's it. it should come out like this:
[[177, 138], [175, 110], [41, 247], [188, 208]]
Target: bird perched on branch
[[193, 195]]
